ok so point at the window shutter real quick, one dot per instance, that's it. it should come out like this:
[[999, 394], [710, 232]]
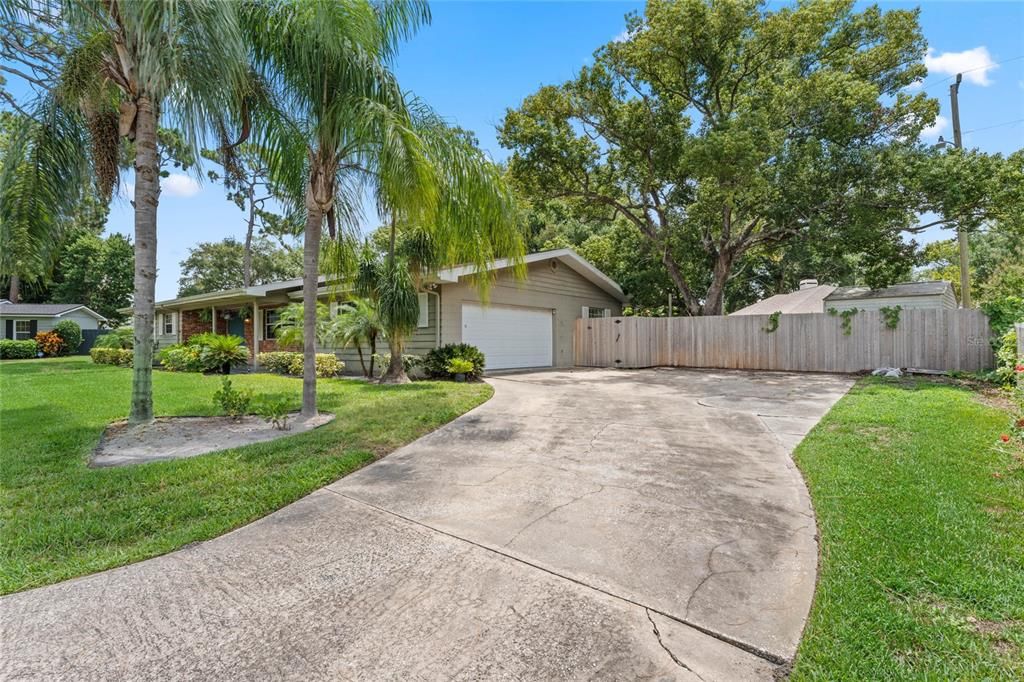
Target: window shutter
[[33, 328], [9, 329], [424, 320]]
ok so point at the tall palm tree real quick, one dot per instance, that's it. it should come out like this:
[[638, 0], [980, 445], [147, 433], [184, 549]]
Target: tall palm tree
[[129, 65], [330, 115]]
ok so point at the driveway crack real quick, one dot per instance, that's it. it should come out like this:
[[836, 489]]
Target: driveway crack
[[550, 512], [661, 642]]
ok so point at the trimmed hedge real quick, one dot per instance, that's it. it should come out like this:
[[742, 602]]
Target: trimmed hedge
[[18, 350], [283, 362], [435, 363], [71, 333], [122, 357]]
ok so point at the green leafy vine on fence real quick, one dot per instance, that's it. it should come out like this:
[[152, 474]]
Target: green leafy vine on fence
[[847, 316], [773, 322], [890, 316]]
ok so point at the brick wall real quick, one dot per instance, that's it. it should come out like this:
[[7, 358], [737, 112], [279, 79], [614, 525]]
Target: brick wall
[[250, 344], [192, 325]]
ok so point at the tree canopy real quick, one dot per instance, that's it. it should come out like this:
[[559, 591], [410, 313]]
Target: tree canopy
[[718, 128], [215, 266]]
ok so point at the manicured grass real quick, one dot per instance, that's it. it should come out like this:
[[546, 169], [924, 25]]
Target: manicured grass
[[60, 519], [921, 515]]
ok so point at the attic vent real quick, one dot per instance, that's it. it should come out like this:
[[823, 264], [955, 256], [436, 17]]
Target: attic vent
[[554, 264]]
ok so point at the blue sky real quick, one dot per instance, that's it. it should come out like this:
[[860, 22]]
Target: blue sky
[[478, 58]]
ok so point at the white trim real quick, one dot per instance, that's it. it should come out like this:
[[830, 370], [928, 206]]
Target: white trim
[[16, 332], [424, 303], [567, 256]]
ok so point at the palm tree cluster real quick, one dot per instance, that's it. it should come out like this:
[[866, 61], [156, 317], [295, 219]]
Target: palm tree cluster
[[308, 82]]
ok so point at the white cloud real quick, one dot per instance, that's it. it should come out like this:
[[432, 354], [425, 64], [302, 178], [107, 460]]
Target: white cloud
[[933, 131], [622, 37], [974, 64], [178, 185]]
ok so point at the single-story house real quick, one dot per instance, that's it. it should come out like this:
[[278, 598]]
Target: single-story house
[[526, 323], [812, 297], [21, 321], [907, 295], [806, 299]]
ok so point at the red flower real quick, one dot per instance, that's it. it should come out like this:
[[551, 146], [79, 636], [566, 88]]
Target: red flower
[[1019, 368], [1004, 438]]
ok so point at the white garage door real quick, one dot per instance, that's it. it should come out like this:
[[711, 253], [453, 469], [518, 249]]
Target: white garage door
[[509, 337]]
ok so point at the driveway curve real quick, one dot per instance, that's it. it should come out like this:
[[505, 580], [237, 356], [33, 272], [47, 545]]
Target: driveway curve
[[580, 524]]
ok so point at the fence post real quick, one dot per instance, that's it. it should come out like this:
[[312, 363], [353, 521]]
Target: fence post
[[1019, 327]]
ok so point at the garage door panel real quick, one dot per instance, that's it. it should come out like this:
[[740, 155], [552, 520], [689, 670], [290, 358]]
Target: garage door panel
[[509, 336]]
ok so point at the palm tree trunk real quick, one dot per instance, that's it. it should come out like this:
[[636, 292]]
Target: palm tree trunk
[[147, 197], [373, 354], [15, 293], [310, 284], [362, 363], [396, 370]]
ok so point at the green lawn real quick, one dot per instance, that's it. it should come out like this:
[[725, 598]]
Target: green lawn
[[921, 515], [61, 519]]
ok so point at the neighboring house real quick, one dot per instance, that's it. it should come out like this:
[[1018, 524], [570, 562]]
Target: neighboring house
[[24, 320], [807, 299], [906, 295], [526, 323], [814, 298]]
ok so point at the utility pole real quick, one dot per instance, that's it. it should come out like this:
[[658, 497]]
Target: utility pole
[[961, 237]]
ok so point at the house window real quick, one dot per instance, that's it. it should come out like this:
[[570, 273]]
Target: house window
[[168, 323], [424, 320], [22, 329], [270, 318], [589, 312]]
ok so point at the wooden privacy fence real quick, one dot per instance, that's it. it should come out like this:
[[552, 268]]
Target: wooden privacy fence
[[942, 340]]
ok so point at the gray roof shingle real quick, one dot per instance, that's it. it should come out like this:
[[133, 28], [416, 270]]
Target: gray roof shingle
[[936, 288], [39, 309]]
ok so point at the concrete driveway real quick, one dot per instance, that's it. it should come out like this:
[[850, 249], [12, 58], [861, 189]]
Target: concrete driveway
[[585, 524]]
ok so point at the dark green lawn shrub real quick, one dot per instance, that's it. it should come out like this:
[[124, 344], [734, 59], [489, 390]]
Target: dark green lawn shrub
[[435, 363], [122, 337], [71, 334], [233, 402], [205, 353], [17, 350], [286, 362]]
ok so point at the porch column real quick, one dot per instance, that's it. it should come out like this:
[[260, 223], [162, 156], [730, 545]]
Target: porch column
[[257, 329], [213, 319]]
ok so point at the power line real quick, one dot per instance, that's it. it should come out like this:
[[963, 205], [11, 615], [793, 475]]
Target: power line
[[977, 68], [997, 125]]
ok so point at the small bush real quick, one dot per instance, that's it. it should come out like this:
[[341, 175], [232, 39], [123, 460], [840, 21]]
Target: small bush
[[382, 361], [275, 411], [71, 334], [122, 337], [1006, 358], [50, 344], [284, 362], [18, 350], [276, 361], [181, 358], [435, 363], [460, 366], [122, 357], [231, 401]]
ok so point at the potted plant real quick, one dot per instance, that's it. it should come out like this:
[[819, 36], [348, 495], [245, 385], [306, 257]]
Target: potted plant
[[459, 368]]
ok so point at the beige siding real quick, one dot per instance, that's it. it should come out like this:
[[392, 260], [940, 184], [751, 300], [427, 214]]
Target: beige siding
[[938, 301], [561, 290], [423, 340]]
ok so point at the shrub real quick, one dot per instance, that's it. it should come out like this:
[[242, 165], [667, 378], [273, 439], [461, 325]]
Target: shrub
[[71, 333], [1006, 358], [18, 350], [460, 366], [276, 361], [1002, 313], [122, 337], [275, 411], [327, 365], [382, 361], [50, 344], [180, 358], [435, 363], [230, 400], [122, 357], [284, 362]]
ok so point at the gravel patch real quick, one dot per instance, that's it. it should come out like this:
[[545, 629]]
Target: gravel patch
[[180, 437]]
